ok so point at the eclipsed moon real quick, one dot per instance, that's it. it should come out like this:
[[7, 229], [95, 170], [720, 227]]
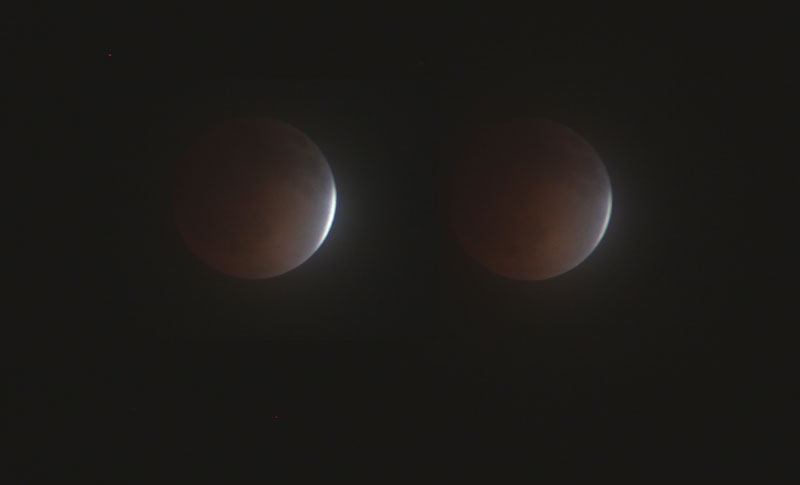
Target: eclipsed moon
[[254, 197], [529, 199]]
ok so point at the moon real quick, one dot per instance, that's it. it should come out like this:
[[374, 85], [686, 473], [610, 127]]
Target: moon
[[529, 199], [254, 197]]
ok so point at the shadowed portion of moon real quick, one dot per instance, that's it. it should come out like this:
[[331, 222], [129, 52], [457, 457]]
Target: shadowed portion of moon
[[254, 197], [529, 199]]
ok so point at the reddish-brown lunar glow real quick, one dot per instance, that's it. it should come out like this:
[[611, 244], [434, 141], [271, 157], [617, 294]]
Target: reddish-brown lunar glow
[[254, 198], [529, 199]]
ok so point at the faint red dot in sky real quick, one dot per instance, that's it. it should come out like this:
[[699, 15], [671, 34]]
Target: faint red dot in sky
[[109, 55], [275, 417]]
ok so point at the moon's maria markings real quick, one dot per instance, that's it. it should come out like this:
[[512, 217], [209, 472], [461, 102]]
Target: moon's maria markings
[[529, 199], [254, 197]]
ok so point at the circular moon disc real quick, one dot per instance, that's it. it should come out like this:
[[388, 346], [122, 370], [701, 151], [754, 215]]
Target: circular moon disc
[[254, 197], [529, 199]]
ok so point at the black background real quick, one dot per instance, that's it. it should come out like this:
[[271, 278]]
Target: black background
[[128, 355]]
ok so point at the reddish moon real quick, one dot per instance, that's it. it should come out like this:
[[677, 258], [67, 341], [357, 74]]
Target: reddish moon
[[529, 199], [254, 197]]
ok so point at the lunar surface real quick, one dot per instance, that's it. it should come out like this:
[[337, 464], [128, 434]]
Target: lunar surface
[[254, 197], [528, 199]]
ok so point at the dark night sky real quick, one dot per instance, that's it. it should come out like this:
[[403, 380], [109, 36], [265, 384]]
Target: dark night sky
[[389, 339]]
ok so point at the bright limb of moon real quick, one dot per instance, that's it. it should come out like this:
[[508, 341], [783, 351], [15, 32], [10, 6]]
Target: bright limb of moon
[[331, 214], [607, 218]]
